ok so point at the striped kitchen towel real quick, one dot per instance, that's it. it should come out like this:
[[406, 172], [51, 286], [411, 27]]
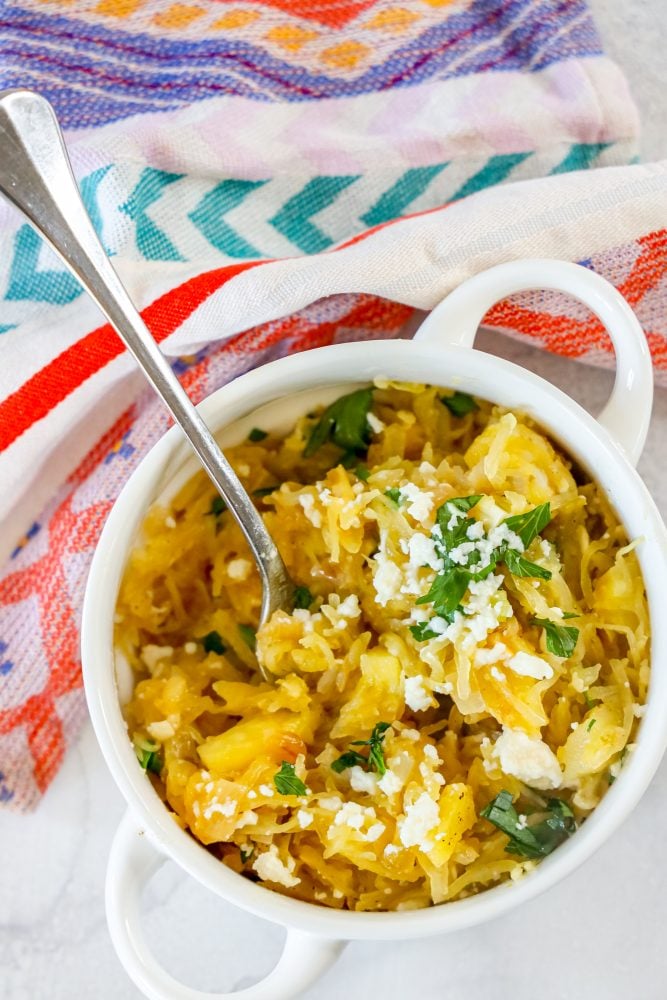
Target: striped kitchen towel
[[270, 175]]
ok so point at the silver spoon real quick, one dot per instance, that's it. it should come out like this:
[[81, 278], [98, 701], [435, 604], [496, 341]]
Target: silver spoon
[[36, 176]]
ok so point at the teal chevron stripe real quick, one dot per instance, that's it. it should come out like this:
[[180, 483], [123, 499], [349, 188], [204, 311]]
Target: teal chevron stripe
[[495, 170], [405, 190], [151, 241], [207, 217], [580, 156], [292, 221], [27, 282], [89, 186]]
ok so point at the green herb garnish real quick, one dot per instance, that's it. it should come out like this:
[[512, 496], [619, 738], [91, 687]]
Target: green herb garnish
[[212, 643], [393, 494], [148, 755], [518, 566], [459, 403], [287, 782], [528, 526], [344, 422], [375, 759], [302, 597], [423, 631], [535, 841], [591, 724], [361, 472], [447, 590], [249, 636], [561, 639], [265, 491], [257, 434], [218, 506], [246, 855]]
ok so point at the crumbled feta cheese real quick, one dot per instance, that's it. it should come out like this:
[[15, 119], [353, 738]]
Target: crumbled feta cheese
[[390, 783], [226, 808], [375, 831], [387, 579], [498, 675], [248, 818], [431, 753], [530, 666], [169, 521], [238, 569], [390, 849], [252, 794], [307, 501], [638, 711], [527, 758], [266, 790], [362, 781], [270, 868], [190, 648], [422, 552], [417, 697], [475, 531], [304, 818], [419, 504], [374, 422], [497, 652], [162, 730], [420, 818]]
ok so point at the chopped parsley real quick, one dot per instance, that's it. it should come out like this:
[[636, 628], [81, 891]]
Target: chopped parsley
[[345, 422], [212, 643], [286, 781], [249, 636], [218, 506], [302, 597], [393, 495], [361, 472], [265, 491], [561, 639], [374, 760], [528, 526], [459, 403], [246, 854], [537, 840], [257, 434], [451, 583], [423, 631], [591, 724], [148, 756]]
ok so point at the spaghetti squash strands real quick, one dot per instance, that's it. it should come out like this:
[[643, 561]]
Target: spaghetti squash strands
[[470, 639]]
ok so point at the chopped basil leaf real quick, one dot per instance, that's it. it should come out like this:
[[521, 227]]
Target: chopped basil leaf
[[249, 636], [361, 472], [374, 761], [423, 631], [246, 855], [302, 597], [519, 566], [287, 782], [561, 639], [218, 506], [459, 403], [531, 841], [148, 756], [212, 643], [528, 526], [257, 434], [393, 494], [344, 422]]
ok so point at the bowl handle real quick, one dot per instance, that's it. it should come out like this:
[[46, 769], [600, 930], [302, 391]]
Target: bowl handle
[[132, 863], [626, 416]]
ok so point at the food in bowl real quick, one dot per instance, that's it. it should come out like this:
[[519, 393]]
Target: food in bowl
[[459, 681]]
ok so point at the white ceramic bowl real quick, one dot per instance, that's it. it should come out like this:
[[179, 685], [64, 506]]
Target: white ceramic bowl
[[272, 396]]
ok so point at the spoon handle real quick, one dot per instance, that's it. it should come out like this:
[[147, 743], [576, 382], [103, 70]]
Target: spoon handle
[[36, 176]]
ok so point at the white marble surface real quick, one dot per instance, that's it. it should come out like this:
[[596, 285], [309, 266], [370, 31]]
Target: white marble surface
[[599, 935]]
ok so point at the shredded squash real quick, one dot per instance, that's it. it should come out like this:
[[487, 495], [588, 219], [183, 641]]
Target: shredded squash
[[457, 686]]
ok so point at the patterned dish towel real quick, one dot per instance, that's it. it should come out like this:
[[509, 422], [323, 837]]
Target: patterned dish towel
[[269, 176]]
